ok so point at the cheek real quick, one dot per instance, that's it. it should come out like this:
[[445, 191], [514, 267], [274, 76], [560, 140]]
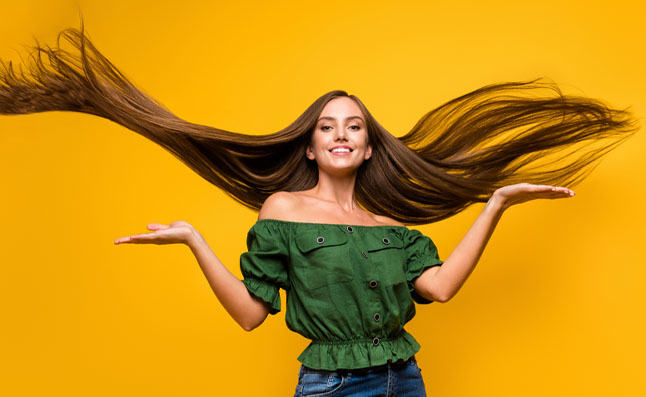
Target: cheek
[[314, 147], [366, 139], [316, 141]]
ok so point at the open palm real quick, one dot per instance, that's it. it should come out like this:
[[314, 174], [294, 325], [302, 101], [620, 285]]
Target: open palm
[[521, 192], [176, 232]]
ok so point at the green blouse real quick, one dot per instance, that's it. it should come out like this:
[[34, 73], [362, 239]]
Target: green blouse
[[349, 288]]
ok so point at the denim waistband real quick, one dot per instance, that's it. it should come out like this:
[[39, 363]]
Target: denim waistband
[[377, 368]]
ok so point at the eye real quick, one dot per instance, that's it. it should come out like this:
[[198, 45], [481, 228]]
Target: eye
[[324, 127], [358, 127]]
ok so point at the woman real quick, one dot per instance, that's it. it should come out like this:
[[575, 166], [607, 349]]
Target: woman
[[339, 146], [334, 191]]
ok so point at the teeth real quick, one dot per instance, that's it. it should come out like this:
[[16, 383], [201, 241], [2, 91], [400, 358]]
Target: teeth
[[341, 150]]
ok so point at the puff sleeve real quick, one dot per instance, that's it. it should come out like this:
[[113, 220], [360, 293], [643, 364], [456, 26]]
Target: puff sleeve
[[264, 265], [421, 254]]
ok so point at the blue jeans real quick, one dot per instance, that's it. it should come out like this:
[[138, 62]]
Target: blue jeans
[[401, 379]]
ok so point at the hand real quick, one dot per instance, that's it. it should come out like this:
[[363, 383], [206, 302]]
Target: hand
[[507, 196], [176, 232]]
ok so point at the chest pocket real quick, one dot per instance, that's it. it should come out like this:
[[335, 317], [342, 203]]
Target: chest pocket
[[386, 253], [324, 259]]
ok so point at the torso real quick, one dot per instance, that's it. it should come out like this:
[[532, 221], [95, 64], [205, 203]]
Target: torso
[[304, 207]]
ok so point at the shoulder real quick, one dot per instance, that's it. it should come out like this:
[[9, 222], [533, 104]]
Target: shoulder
[[279, 206], [387, 221]]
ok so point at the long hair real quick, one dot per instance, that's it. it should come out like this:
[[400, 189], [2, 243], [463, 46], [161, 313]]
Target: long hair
[[456, 155]]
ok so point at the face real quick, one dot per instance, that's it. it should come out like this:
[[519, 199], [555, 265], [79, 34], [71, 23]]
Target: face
[[340, 140]]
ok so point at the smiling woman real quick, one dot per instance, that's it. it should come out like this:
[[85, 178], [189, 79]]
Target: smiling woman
[[339, 138], [335, 191]]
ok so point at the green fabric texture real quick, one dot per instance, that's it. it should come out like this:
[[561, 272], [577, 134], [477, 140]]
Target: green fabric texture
[[349, 288]]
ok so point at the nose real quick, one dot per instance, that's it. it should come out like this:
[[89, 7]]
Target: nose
[[340, 135]]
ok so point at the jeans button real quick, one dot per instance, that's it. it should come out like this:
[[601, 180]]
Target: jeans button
[[373, 283], [376, 317], [375, 341]]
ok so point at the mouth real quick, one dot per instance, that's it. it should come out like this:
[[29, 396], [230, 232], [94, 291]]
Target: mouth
[[341, 150]]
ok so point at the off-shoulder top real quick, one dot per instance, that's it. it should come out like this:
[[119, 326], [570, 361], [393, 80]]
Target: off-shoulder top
[[349, 288]]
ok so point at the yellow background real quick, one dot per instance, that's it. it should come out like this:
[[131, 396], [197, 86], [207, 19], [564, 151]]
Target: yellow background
[[554, 308]]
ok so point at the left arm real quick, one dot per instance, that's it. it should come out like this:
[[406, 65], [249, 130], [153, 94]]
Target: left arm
[[441, 283]]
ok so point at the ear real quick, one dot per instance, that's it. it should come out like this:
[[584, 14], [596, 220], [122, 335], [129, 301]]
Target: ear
[[309, 153], [368, 152]]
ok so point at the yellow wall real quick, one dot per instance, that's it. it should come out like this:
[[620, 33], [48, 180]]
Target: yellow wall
[[555, 307]]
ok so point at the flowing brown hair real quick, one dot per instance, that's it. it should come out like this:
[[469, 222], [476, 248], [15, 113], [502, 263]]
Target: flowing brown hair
[[456, 155]]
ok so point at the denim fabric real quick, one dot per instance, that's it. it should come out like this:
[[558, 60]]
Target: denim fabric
[[401, 379]]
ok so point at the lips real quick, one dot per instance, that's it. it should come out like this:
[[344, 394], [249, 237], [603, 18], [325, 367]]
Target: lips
[[341, 150]]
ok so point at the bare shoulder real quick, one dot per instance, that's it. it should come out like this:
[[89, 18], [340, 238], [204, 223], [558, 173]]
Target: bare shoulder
[[387, 221], [302, 206], [279, 206]]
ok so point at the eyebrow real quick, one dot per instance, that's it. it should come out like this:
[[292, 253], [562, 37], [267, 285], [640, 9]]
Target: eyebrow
[[332, 118]]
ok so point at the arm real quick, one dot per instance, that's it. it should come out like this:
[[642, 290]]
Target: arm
[[441, 283], [246, 309]]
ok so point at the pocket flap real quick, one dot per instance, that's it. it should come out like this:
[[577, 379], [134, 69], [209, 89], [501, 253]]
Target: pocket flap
[[325, 238], [382, 241]]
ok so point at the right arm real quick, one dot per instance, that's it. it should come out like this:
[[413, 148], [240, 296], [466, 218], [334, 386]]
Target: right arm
[[248, 310], [245, 308]]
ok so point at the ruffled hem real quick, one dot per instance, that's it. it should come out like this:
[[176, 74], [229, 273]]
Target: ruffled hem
[[267, 292], [358, 353]]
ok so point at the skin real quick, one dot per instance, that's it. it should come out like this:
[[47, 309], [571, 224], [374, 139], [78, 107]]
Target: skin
[[332, 200]]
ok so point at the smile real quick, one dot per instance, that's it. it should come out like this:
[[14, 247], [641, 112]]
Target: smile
[[341, 150]]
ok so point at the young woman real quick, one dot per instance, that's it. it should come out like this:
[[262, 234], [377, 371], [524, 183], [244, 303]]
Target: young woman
[[335, 191]]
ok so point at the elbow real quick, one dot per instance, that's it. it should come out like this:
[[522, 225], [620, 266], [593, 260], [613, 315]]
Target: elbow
[[429, 286], [440, 292], [444, 296], [440, 296], [251, 323], [434, 296], [251, 319], [250, 326]]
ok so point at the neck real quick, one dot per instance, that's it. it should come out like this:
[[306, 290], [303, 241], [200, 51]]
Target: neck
[[337, 189]]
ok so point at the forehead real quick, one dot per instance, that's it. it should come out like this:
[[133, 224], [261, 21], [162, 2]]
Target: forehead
[[341, 107]]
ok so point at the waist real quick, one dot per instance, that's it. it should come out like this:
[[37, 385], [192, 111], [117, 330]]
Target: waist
[[359, 352], [390, 365], [375, 340]]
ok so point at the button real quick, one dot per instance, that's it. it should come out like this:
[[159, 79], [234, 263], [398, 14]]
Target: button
[[375, 341], [385, 241], [350, 229], [376, 317], [364, 254], [373, 283], [320, 240]]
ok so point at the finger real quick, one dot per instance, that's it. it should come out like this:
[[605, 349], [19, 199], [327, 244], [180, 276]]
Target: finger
[[122, 240], [557, 195], [157, 226], [544, 188], [548, 194], [137, 238], [562, 190], [127, 239]]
